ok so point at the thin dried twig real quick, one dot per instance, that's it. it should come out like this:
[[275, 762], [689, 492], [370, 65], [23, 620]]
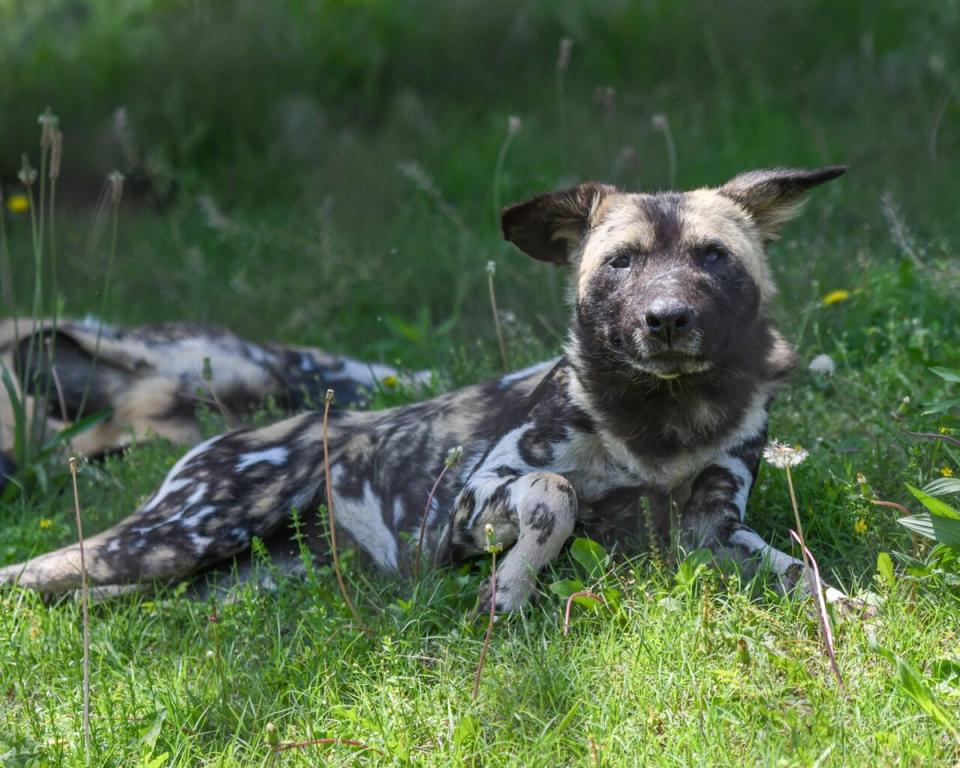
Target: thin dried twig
[[892, 504], [825, 629], [915, 541], [566, 614], [933, 436], [85, 606], [423, 523], [333, 527], [452, 459]]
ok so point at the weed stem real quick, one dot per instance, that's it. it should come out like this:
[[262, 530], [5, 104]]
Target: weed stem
[[85, 607]]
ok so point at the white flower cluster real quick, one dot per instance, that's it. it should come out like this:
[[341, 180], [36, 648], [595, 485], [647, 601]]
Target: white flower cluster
[[822, 365], [783, 456]]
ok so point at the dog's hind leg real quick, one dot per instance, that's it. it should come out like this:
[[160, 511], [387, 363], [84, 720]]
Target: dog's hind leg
[[212, 503], [532, 516]]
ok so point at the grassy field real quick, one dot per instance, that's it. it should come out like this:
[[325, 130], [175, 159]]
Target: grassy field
[[329, 174]]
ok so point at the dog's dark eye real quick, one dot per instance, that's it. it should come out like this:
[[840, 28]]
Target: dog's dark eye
[[712, 255], [621, 262]]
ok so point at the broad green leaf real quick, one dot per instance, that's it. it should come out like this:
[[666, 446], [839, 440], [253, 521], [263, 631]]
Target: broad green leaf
[[465, 732], [942, 486], [565, 723], [947, 374], [934, 505], [885, 570], [946, 670], [689, 570], [613, 597], [942, 529], [566, 587], [586, 601], [592, 557], [158, 761]]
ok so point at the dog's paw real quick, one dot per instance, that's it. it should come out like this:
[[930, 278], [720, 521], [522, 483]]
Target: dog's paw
[[507, 599]]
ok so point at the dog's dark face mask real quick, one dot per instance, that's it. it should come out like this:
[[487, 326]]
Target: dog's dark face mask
[[667, 285]]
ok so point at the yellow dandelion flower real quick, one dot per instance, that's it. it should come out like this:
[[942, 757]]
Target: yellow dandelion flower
[[860, 527], [944, 430], [390, 381], [46, 523], [836, 296], [946, 471], [18, 204]]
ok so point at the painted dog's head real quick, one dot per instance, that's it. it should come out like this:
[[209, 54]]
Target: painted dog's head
[[666, 285]]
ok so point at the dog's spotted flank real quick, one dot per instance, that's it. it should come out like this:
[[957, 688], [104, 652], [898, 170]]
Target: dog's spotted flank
[[662, 395]]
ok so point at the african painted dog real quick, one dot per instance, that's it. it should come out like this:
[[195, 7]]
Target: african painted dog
[[662, 395]]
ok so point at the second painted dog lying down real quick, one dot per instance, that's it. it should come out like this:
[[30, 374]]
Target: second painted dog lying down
[[662, 394], [150, 380]]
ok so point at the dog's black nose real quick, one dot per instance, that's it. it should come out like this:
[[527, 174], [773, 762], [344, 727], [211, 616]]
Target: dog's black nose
[[669, 322]]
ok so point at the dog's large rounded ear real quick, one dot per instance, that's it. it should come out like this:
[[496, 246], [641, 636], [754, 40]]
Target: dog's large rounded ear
[[550, 227], [773, 197]]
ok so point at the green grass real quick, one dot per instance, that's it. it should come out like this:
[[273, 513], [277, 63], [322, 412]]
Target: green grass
[[325, 240]]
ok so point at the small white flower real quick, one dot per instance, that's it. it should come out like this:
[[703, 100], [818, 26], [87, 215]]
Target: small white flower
[[822, 365], [783, 456], [491, 268], [514, 125], [453, 456]]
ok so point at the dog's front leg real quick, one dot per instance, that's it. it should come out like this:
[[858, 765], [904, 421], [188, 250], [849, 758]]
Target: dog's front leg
[[532, 517], [713, 519]]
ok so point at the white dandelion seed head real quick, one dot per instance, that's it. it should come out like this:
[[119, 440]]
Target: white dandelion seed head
[[822, 365], [514, 125], [782, 456]]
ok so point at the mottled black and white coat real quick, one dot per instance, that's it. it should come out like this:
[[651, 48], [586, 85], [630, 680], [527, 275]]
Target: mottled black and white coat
[[663, 393]]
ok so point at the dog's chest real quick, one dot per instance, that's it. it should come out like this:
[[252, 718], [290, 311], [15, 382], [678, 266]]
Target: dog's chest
[[598, 464]]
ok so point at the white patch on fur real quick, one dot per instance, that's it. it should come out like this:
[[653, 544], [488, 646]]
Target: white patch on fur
[[197, 495], [739, 470], [172, 483], [194, 520], [256, 353], [200, 543], [363, 520], [276, 456], [510, 378]]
